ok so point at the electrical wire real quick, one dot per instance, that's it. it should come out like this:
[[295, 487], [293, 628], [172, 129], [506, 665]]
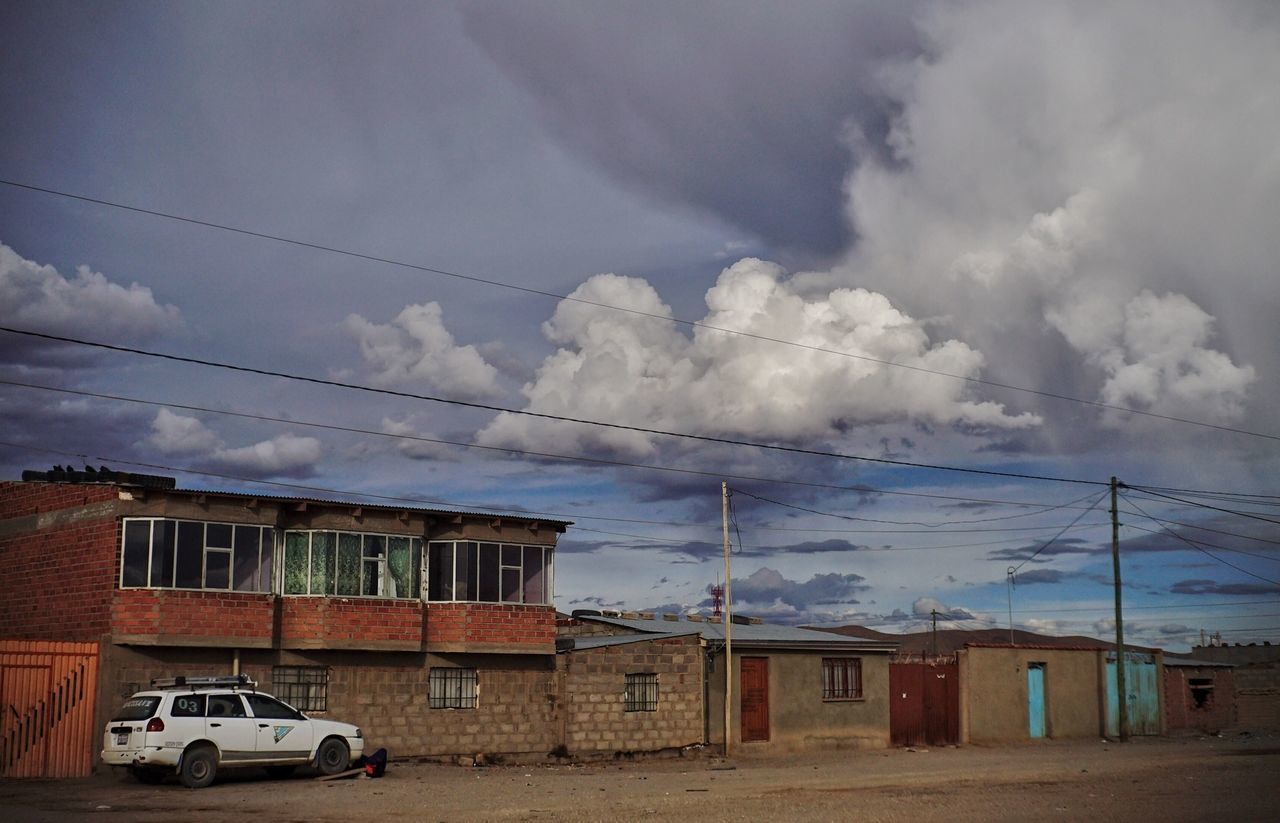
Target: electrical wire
[[1014, 569], [1148, 491], [544, 416], [861, 489], [1273, 558], [637, 312], [1275, 583]]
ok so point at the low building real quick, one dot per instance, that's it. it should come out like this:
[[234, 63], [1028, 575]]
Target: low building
[[1255, 679], [1198, 695], [792, 688]]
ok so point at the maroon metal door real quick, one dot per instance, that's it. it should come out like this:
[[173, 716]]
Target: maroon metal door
[[924, 704], [755, 698]]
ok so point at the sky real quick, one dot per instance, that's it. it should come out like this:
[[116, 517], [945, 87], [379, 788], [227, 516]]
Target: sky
[[914, 279]]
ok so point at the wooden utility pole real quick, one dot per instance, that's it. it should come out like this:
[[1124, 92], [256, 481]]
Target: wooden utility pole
[[728, 623], [1122, 692], [934, 613]]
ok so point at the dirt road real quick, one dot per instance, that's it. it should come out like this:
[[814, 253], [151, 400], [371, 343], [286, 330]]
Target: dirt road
[[1233, 778]]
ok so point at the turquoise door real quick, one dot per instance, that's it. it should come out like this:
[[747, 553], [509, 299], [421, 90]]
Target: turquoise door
[[1035, 699], [1143, 700]]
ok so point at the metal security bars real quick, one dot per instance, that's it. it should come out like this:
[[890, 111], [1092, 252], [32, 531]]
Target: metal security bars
[[841, 678], [306, 688], [450, 688], [641, 692]]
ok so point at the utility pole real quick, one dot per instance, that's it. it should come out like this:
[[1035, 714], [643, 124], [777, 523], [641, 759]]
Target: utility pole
[[1122, 692], [934, 614], [728, 622]]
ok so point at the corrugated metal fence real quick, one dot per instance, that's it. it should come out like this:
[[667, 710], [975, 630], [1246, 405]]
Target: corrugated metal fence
[[47, 697]]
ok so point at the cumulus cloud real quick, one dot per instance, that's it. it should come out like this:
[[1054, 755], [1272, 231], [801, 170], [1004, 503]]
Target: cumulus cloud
[[640, 369], [285, 455], [38, 298], [416, 349]]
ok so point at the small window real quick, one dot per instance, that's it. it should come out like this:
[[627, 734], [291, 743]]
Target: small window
[[1201, 691], [270, 708], [641, 692], [841, 678], [306, 688], [452, 688]]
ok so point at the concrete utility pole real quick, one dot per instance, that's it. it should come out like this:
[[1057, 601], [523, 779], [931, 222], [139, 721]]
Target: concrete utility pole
[[728, 623], [1122, 692]]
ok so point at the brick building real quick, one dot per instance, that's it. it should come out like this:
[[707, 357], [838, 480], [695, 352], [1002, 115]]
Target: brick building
[[1256, 681], [433, 630], [1198, 694]]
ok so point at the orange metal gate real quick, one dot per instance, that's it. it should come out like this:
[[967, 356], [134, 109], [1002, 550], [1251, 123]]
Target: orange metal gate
[[47, 699]]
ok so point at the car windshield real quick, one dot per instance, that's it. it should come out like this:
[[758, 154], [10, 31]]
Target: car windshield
[[141, 707]]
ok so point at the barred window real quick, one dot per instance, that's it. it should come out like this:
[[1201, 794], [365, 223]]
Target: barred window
[[450, 688], [841, 678], [641, 693], [306, 688]]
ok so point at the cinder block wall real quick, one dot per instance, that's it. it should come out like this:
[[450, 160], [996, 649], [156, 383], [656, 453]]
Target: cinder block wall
[[58, 542], [1257, 697], [594, 690]]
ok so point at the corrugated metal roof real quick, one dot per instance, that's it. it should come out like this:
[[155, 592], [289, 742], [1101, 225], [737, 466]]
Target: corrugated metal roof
[[1191, 663], [748, 634], [602, 640]]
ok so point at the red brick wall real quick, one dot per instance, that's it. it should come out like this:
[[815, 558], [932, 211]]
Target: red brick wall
[[339, 622], [172, 613], [59, 552], [1181, 711], [503, 624]]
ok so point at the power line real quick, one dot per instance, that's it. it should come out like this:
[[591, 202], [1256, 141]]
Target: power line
[[1106, 608], [860, 488], [637, 312], [1275, 583], [1014, 569], [1203, 505], [1273, 558], [544, 416]]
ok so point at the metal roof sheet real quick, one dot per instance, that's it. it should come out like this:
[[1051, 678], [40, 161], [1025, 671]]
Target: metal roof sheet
[[747, 634], [602, 640]]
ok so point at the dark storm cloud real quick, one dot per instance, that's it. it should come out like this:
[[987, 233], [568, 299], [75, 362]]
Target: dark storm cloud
[[1204, 586], [1057, 547], [749, 111]]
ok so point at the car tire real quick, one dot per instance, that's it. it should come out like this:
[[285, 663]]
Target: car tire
[[150, 776], [199, 767], [333, 756], [281, 772]]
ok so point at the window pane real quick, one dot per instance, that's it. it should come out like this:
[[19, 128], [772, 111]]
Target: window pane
[[190, 560], [533, 575], [348, 563], [489, 583], [440, 571], [467, 585], [510, 585], [511, 555], [401, 579], [137, 543], [295, 562], [266, 581], [323, 551], [415, 570], [248, 543], [162, 553], [217, 572], [375, 549], [218, 536]]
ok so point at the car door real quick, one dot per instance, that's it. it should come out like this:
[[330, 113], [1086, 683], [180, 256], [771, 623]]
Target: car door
[[229, 726], [283, 732]]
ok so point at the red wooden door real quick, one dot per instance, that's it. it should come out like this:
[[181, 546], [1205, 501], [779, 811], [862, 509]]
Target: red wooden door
[[755, 698], [906, 704], [924, 704], [942, 704]]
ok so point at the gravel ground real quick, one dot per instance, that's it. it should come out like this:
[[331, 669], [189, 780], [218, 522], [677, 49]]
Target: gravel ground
[[1235, 777]]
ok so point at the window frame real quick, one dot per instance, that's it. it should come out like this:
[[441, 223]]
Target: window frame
[[162, 554], [381, 563], [640, 692], [476, 554], [305, 688], [841, 679], [448, 679]]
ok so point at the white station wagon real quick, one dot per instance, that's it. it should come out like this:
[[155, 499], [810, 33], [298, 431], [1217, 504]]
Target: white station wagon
[[194, 726]]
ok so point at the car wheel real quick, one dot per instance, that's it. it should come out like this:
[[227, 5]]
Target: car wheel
[[199, 767], [333, 756], [280, 772], [142, 774]]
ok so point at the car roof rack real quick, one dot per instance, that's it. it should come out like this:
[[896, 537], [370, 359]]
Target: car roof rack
[[236, 681]]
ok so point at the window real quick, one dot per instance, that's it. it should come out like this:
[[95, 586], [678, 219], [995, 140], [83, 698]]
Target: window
[[1201, 691], [352, 564], [841, 678], [186, 554], [306, 688], [641, 693], [452, 688], [188, 705], [489, 573], [269, 708], [226, 705]]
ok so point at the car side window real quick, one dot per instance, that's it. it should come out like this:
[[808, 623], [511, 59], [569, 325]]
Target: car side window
[[270, 708], [188, 705], [226, 705]]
